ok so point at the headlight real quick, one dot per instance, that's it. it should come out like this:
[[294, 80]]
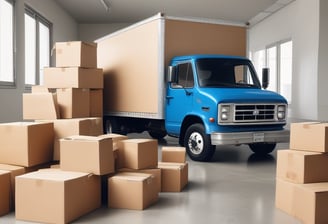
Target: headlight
[[281, 112], [224, 113]]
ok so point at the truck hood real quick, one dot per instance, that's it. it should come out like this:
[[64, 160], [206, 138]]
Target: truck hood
[[243, 95]]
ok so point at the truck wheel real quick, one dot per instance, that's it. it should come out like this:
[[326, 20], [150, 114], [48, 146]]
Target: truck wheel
[[262, 148], [113, 126], [157, 134], [198, 143]]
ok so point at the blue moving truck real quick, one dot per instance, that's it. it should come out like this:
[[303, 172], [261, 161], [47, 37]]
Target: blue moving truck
[[191, 80]]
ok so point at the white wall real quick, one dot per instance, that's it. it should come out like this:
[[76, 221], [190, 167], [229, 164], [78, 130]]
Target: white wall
[[91, 32], [323, 65], [64, 29], [300, 22]]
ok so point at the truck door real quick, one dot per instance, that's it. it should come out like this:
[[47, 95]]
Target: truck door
[[179, 99]]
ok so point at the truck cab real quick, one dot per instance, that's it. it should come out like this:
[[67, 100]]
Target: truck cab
[[218, 100]]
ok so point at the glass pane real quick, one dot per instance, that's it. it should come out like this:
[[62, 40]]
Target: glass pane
[[30, 53], [44, 50], [286, 61], [258, 59], [6, 42], [272, 65]]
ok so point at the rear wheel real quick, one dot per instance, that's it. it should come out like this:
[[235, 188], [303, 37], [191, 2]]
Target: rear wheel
[[113, 125], [198, 143], [262, 148], [157, 134]]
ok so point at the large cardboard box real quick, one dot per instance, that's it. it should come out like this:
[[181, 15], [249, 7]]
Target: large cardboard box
[[156, 172], [174, 176], [55, 196], [76, 54], [309, 136], [96, 102], [132, 191], [138, 153], [26, 143], [173, 154], [91, 126], [87, 154], [302, 166], [14, 171], [74, 77], [40, 106], [74, 103], [306, 202], [5, 192]]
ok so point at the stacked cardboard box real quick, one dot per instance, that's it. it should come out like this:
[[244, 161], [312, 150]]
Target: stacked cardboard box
[[302, 177]]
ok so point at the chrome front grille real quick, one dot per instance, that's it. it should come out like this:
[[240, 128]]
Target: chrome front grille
[[254, 112]]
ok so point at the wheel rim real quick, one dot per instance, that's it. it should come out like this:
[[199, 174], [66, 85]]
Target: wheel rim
[[196, 143]]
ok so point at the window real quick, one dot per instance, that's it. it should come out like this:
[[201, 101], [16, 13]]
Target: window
[[6, 43], [278, 58], [37, 46], [185, 76]]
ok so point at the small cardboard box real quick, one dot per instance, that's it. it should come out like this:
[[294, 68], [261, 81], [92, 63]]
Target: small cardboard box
[[76, 54], [309, 136], [87, 154], [138, 153], [96, 102], [75, 77], [74, 103], [156, 172], [302, 166], [40, 106], [91, 126], [173, 154], [14, 171], [56, 196], [306, 202], [5, 192], [132, 191], [174, 176], [26, 143]]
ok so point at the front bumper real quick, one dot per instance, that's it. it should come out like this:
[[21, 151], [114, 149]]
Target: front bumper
[[236, 138]]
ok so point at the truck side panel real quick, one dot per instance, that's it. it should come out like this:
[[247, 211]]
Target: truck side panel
[[131, 60], [190, 37]]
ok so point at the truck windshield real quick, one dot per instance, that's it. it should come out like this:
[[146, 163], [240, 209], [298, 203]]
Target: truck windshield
[[231, 73]]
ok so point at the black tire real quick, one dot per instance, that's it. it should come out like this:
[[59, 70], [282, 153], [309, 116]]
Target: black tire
[[262, 148], [198, 143], [112, 125], [157, 134]]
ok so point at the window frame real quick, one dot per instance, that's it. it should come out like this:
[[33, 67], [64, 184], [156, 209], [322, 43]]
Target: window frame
[[38, 19], [12, 84]]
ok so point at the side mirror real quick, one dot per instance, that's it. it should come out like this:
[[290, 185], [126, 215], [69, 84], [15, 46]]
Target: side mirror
[[265, 77], [172, 76]]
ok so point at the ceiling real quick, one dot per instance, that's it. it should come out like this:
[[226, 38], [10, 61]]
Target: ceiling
[[129, 11]]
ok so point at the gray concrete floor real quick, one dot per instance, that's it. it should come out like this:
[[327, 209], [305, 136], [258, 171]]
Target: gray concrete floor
[[236, 187]]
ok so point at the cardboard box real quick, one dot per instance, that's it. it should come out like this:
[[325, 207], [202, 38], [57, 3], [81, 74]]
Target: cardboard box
[[137, 153], [173, 154], [306, 202], [96, 102], [91, 126], [155, 172], [76, 54], [73, 103], [26, 143], [39, 89], [5, 192], [40, 106], [309, 136], [174, 176], [74, 77], [87, 154], [55, 196], [14, 171], [302, 166], [131, 191]]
